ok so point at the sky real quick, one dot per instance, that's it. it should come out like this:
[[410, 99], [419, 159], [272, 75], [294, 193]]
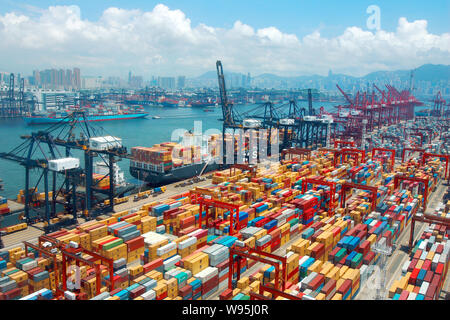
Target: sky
[[284, 37]]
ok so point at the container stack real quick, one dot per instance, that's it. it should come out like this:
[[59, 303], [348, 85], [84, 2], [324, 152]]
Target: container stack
[[161, 252], [424, 274]]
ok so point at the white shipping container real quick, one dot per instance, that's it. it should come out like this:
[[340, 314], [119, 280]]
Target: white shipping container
[[287, 121], [29, 265], [239, 243], [207, 274], [252, 123], [104, 143], [187, 243], [167, 248], [63, 164], [423, 288], [149, 295], [70, 295], [171, 262]]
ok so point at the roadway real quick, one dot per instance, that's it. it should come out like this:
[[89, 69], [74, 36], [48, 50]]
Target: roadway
[[399, 256], [31, 234]]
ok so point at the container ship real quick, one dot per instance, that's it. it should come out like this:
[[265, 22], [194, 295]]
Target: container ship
[[157, 167], [92, 114]]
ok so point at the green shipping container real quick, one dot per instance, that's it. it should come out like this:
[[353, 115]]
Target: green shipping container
[[112, 244]]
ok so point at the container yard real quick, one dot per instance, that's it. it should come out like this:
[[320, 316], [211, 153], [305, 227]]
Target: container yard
[[283, 203], [354, 208], [315, 226]]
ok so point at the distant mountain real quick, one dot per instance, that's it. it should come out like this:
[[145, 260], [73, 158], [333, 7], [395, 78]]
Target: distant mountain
[[433, 72], [427, 72]]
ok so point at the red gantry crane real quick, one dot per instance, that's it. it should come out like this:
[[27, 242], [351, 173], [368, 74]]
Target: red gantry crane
[[425, 182], [348, 185], [331, 185]]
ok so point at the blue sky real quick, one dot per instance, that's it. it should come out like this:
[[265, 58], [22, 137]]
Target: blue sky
[[300, 17], [284, 37]]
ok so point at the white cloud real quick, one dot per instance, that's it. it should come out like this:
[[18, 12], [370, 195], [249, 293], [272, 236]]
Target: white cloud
[[164, 41]]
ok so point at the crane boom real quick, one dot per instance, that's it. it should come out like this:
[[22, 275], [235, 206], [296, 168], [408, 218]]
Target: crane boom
[[345, 95], [227, 110]]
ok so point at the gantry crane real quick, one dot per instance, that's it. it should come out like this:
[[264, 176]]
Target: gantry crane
[[439, 106], [60, 140], [269, 120]]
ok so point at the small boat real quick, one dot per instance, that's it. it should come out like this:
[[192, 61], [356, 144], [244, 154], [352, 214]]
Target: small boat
[[156, 117], [208, 110]]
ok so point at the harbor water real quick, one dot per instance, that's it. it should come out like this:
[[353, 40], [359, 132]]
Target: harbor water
[[138, 132]]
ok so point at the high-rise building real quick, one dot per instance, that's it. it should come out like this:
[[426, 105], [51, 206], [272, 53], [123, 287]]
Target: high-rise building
[[54, 77], [61, 78], [244, 81], [69, 80], [181, 82], [37, 77], [77, 78], [136, 82], [166, 82]]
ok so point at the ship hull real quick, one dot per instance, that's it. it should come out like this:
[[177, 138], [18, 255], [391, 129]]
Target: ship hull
[[47, 120], [156, 179], [202, 105]]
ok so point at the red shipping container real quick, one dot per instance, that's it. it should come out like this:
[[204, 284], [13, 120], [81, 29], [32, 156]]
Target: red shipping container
[[153, 265], [203, 233], [363, 248], [413, 277], [137, 292], [351, 233], [336, 231], [162, 296], [57, 234], [439, 268], [316, 282], [185, 291], [275, 234], [329, 287], [404, 295], [426, 265], [210, 284], [130, 215], [361, 235], [187, 231], [345, 287], [227, 294], [436, 280], [275, 245], [318, 251], [369, 257], [412, 265], [187, 222], [223, 265], [431, 292], [135, 243], [14, 293]]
